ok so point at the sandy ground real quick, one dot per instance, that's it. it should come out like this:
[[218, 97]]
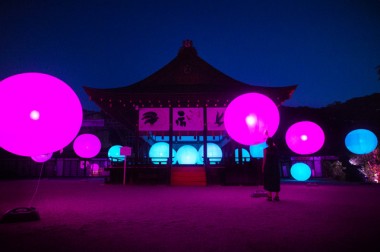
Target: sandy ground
[[89, 215]]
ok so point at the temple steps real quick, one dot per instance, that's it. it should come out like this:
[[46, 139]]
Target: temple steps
[[188, 176]]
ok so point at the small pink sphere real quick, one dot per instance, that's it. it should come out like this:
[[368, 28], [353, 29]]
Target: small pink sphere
[[251, 118], [42, 158], [305, 137], [40, 114], [87, 145]]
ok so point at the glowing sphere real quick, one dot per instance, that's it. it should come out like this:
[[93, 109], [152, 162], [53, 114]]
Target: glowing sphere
[[361, 141], [250, 118], [42, 114], [305, 137], [300, 171], [214, 153], [42, 158], [245, 155], [114, 154], [159, 153], [257, 150], [95, 169], [187, 154], [87, 145]]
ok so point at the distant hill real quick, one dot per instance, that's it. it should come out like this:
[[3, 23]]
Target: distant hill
[[337, 120]]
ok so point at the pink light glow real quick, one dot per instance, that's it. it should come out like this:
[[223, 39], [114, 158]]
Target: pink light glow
[[87, 145], [42, 158], [250, 118], [305, 137], [40, 114]]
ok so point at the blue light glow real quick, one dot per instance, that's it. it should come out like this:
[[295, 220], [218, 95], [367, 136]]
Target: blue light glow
[[187, 154], [159, 153], [300, 171], [246, 157], [114, 154], [257, 150], [214, 153], [361, 141]]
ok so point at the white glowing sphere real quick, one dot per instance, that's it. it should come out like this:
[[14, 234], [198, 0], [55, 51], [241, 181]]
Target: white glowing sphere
[[159, 153], [187, 154], [214, 153]]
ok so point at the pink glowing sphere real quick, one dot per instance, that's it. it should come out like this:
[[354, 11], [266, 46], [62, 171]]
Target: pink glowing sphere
[[39, 114], [42, 158], [250, 118], [305, 137], [87, 145]]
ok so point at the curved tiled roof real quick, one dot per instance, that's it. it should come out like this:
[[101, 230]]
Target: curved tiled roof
[[187, 73]]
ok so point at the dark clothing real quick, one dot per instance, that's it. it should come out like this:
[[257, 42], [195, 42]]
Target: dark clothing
[[271, 170]]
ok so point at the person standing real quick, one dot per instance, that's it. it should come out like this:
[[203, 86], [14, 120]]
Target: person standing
[[271, 171]]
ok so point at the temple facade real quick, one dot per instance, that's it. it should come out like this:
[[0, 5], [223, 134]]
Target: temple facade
[[181, 108]]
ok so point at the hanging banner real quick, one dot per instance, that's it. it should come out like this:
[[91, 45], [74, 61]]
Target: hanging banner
[[215, 119], [188, 119], [154, 119]]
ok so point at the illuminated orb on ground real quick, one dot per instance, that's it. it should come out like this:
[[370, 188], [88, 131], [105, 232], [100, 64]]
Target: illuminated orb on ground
[[214, 153], [245, 155], [42, 158], [159, 153], [361, 141], [114, 154], [257, 150], [300, 171], [250, 118], [87, 145], [42, 114], [305, 137], [187, 154]]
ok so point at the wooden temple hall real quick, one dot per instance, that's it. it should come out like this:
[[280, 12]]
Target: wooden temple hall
[[175, 118]]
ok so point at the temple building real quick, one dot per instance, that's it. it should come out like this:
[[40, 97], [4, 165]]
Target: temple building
[[181, 108]]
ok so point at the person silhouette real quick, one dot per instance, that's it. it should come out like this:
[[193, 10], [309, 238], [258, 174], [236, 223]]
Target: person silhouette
[[271, 170]]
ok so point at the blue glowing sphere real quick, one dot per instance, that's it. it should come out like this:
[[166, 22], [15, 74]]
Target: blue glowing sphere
[[257, 150], [361, 141], [159, 153], [214, 153], [300, 171], [114, 154], [187, 154], [245, 155]]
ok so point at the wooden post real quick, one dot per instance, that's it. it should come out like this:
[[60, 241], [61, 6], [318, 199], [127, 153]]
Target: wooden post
[[126, 151]]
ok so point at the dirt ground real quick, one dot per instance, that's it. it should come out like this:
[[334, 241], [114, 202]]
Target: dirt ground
[[89, 215]]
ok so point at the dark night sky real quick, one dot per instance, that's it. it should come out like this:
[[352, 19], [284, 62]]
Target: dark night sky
[[330, 48]]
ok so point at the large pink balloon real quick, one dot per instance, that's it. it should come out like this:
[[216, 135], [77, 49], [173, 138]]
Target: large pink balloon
[[87, 145], [305, 137], [250, 118], [39, 114]]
